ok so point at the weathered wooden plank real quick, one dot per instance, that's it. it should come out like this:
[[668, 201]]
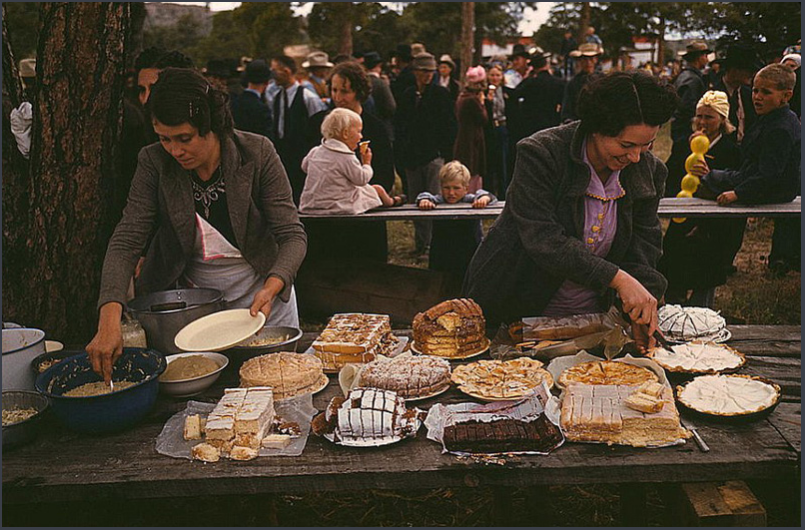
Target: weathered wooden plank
[[787, 419], [729, 503], [669, 207], [756, 332]]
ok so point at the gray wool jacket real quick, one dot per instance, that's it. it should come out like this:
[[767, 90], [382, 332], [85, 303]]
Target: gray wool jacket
[[263, 216], [536, 243]]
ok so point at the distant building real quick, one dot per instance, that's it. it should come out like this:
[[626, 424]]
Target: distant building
[[160, 14]]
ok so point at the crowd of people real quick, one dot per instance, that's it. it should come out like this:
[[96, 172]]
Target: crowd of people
[[566, 145]]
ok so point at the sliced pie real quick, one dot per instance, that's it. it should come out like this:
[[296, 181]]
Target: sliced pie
[[606, 373]]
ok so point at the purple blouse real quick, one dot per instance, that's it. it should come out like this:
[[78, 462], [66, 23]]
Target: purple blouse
[[600, 224]]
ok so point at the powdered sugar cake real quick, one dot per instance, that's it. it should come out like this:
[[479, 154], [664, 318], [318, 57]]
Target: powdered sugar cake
[[354, 338], [598, 413], [453, 328]]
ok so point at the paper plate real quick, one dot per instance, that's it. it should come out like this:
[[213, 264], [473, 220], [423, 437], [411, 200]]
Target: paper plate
[[218, 331]]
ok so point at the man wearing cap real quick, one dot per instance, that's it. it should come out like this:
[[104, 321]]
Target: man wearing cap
[[690, 86], [318, 65], [519, 59], [738, 67], [586, 57], [425, 130], [249, 110], [445, 77], [539, 99], [384, 105], [291, 108]]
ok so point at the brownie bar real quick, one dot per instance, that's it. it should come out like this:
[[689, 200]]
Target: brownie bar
[[505, 435]]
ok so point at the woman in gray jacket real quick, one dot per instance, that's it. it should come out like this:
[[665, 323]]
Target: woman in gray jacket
[[213, 208], [580, 223]]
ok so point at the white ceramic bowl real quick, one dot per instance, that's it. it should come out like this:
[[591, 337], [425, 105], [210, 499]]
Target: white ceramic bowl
[[20, 347], [196, 385]]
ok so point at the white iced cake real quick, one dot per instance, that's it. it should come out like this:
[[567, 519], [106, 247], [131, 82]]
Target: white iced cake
[[684, 324]]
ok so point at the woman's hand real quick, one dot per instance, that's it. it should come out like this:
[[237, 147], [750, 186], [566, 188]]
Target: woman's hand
[[481, 201], [426, 204], [107, 345], [639, 304], [265, 296], [728, 197]]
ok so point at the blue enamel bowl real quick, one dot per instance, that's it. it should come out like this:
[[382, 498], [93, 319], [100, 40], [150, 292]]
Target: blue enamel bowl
[[106, 413]]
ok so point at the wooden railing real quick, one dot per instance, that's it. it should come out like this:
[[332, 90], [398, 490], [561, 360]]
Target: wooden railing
[[671, 207]]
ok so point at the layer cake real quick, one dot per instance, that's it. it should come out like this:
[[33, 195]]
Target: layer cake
[[354, 338], [288, 374], [453, 328]]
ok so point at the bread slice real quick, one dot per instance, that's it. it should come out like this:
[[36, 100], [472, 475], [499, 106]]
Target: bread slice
[[205, 452]]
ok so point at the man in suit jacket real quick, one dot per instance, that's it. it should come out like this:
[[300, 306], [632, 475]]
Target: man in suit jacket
[[249, 110], [690, 86], [539, 99], [738, 67]]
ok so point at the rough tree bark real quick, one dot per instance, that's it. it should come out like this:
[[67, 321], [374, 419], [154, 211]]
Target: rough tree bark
[[345, 20], [16, 198], [467, 37], [76, 130], [584, 23]]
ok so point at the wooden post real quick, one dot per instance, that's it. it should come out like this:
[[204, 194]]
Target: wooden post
[[467, 37]]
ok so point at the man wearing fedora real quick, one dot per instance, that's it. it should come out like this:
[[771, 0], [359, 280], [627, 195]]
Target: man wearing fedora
[[445, 78], [318, 65], [425, 130], [519, 59], [738, 67], [539, 98], [249, 110], [586, 57], [690, 87]]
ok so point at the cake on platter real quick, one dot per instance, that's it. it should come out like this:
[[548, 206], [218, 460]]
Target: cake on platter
[[367, 417], [497, 379], [354, 338], [453, 329], [410, 376], [599, 413], [698, 357], [684, 324], [606, 373], [289, 374]]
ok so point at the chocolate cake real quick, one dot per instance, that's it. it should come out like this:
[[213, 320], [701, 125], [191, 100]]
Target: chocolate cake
[[454, 328], [501, 436]]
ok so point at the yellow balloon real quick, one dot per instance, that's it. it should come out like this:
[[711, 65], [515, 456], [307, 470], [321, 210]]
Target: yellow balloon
[[700, 144], [691, 160], [684, 194], [690, 183]]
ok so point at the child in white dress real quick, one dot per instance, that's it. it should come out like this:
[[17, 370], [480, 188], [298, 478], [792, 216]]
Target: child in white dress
[[337, 183]]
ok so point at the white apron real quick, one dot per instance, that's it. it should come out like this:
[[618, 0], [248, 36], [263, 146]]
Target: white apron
[[216, 264]]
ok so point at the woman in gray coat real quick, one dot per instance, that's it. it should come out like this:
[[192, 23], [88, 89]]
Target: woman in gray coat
[[580, 224], [213, 208]]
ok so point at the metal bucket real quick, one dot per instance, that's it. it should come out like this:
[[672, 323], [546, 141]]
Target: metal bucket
[[163, 314]]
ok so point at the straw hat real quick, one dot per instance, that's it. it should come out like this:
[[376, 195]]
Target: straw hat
[[317, 59], [588, 49]]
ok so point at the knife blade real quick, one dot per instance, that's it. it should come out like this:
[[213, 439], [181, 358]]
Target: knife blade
[[663, 342], [699, 441]]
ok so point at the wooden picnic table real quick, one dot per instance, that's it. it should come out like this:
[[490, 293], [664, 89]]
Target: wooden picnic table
[[63, 466], [669, 207]]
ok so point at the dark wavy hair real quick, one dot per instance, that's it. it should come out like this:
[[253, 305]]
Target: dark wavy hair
[[610, 103], [358, 78], [183, 95]]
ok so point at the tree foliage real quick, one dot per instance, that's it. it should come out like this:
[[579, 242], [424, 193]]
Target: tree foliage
[[771, 26]]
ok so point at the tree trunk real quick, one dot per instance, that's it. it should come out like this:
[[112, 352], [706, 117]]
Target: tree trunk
[[345, 39], [467, 37], [16, 197], [661, 43], [585, 21], [135, 45], [77, 119]]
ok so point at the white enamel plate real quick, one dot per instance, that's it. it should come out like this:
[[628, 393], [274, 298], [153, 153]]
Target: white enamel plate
[[219, 331]]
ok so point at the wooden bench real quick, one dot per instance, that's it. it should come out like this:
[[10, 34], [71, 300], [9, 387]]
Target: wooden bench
[[669, 207], [61, 466]]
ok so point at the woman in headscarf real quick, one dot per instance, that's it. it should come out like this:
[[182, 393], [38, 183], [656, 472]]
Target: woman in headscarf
[[697, 254]]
